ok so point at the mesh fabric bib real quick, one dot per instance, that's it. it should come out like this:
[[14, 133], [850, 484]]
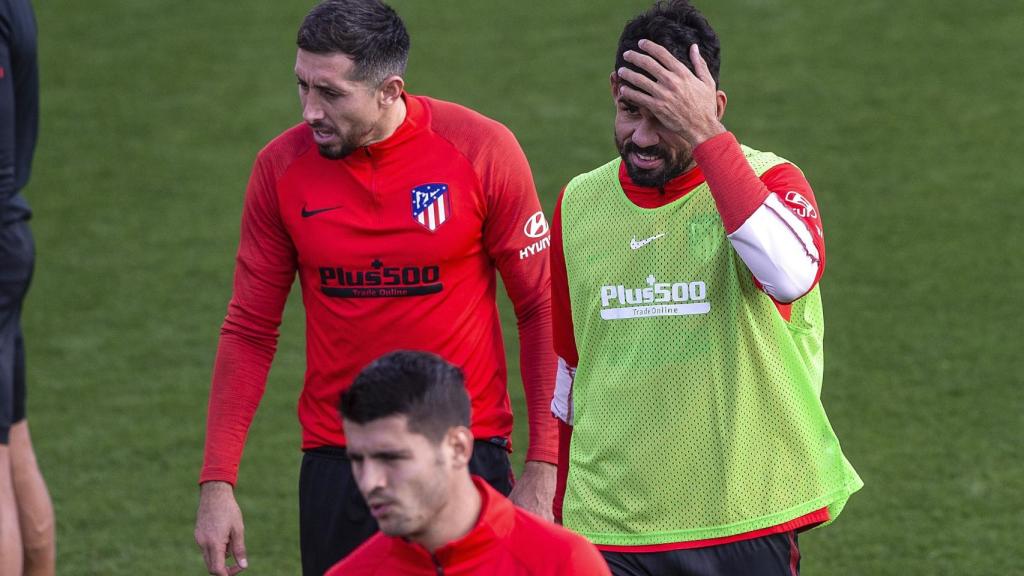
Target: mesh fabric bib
[[697, 409]]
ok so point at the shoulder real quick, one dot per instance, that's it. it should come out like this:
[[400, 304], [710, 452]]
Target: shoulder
[[538, 542], [592, 182], [286, 147], [762, 161], [467, 130], [451, 117], [368, 559]]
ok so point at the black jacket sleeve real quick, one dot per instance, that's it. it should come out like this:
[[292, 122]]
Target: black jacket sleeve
[[7, 112]]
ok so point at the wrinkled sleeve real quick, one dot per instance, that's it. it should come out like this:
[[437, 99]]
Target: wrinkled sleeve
[[264, 271], [773, 221], [516, 236]]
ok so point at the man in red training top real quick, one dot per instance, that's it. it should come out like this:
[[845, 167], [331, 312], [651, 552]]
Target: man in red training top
[[407, 421], [396, 211]]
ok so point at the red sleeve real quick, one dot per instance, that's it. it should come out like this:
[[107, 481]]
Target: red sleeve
[[738, 192], [264, 270], [561, 311], [789, 184], [515, 234]]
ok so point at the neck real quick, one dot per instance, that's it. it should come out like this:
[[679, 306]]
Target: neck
[[458, 516], [389, 122]]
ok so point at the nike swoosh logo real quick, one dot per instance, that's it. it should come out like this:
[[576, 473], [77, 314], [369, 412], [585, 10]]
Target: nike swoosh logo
[[638, 245], [308, 213]]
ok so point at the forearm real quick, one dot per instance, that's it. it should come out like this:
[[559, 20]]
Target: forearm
[[264, 271], [239, 380], [537, 362]]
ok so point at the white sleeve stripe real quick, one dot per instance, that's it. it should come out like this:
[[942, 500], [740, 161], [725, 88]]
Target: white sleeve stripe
[[779, 250], [561, 403]]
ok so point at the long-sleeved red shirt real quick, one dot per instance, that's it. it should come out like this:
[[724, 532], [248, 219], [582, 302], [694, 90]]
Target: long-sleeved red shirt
[[505, 541], [396, 247]]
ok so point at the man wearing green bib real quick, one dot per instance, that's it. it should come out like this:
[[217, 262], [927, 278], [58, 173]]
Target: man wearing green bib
[[689, 328]]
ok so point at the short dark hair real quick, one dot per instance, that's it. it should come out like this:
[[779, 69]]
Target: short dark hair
[[674, 24], [369, 31], [430, 392]]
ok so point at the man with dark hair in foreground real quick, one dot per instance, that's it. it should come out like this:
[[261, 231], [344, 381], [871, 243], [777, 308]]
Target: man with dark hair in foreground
[[406, 419], [689, 328], [395, 211]]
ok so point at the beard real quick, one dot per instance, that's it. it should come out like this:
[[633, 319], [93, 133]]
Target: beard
[[415, 511], [335, 151], [346, 144], [672, 165]]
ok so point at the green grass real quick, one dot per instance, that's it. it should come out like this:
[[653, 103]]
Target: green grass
[[906, 118]]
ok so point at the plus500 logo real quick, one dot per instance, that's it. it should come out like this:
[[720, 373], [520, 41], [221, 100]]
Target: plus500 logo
[[655, 293]]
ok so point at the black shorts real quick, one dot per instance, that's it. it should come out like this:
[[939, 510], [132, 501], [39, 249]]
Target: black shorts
[[17, 256], [333, 518], [774, 555]]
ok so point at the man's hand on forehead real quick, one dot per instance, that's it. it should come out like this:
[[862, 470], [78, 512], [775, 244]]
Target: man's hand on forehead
[[684, 102]]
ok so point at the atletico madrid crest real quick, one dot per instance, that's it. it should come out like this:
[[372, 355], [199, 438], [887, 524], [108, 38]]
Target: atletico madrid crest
[[431, 205]]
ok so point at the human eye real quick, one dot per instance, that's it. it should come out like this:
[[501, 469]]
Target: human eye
[[330, 94]]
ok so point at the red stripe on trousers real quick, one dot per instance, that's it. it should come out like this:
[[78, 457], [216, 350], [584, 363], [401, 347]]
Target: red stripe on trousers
[[794, 555]]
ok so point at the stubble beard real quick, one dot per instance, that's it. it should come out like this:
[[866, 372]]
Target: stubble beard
[[672, 165], [431, 499], [335, 152], [348, 143]]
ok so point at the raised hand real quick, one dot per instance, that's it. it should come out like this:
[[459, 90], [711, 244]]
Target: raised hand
[[686, 103]]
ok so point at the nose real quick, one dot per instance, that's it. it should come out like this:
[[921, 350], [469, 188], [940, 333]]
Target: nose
[[369, 477], [312, 111], [646, 134]]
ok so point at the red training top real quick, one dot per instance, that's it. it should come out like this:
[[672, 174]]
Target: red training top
[[396, 247], [505, 540]]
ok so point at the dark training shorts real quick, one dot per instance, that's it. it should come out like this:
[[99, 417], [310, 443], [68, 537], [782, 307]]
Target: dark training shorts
[[17, 255], [773, 555], [333, 518]]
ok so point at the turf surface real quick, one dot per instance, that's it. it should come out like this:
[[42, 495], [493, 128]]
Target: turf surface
[[905, 116]]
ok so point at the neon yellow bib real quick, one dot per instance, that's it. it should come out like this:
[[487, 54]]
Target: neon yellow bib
[[697, 407]]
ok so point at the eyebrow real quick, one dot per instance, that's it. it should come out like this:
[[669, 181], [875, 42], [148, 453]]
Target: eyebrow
[[382, 453], [320, 85]]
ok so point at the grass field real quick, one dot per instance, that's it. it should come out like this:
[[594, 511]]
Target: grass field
[[905, 116]]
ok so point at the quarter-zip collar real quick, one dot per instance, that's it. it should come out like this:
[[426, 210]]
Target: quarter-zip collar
[[495, 523], [416, 119]]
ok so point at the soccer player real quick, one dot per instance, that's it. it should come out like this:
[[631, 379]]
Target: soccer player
[[396, 211], [688, 325], [27, 543], [406, 420]]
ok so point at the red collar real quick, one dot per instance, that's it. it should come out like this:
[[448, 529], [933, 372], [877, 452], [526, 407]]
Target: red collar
[[651, 197], [497, 518], [416, 118]]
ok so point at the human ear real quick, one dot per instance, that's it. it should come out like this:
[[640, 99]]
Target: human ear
[[460, 441], [720, 101], [391, 90]]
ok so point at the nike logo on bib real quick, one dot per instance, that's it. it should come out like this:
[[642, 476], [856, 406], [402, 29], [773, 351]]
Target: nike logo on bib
[[635, 245]]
